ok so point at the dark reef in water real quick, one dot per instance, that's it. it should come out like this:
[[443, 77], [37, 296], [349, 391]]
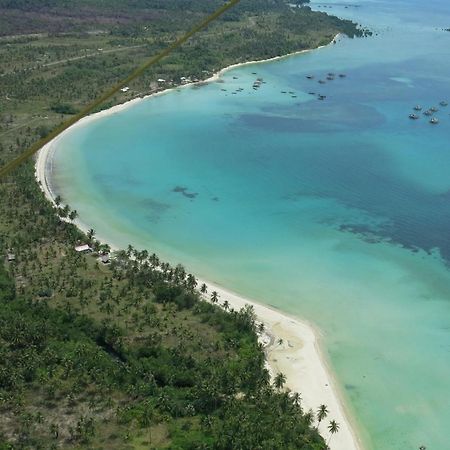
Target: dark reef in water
[[185, 192]]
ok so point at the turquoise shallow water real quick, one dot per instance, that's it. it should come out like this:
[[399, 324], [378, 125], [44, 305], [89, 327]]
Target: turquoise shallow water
[[337, 211]]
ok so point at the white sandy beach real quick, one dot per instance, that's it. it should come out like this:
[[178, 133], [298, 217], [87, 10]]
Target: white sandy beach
[[298, 357]]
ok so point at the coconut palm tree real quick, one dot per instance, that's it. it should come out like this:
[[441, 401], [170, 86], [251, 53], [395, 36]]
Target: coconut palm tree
[[296, 398], [322, 413], [309, 417], [73, 214], [154, 260], [214, 297], [91, 234], [226, 305], [333, 428], [204, 288], [279, 380], [191, 282]]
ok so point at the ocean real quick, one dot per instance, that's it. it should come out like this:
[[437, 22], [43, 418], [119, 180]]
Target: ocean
[[333, 210]]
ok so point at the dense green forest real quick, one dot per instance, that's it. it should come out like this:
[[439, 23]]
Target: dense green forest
[[127, 355]]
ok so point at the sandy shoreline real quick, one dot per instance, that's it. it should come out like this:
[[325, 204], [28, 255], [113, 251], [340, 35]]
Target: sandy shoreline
[[298, 356]]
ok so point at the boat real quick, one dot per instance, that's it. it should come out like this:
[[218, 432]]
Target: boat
[[417, 108], [342, 75], [322, 81], [413, 116], [330, 78], [434, 120], [434, 109], [428, 112], [443, 103], [310, 77]]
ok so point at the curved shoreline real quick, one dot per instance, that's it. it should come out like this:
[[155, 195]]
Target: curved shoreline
[[299, 355]]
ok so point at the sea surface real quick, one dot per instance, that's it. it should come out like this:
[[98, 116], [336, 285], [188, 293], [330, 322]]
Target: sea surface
[[334, 210]]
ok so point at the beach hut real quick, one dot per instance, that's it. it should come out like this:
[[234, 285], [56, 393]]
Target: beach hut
[[83, 248]]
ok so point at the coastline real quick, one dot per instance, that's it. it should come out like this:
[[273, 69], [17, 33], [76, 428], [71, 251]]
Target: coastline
[[298, 356]]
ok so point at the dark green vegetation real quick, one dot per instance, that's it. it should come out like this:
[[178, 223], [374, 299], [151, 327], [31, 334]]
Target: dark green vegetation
[[128, 357], [124, 356]]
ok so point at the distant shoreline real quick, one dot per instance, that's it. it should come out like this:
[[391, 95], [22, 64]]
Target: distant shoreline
[[298, 356]]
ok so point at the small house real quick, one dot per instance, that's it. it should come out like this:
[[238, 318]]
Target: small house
[[83, 248]]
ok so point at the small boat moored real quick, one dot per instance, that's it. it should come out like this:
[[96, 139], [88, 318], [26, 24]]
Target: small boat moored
[[443, 103], [417, 108], [428, 112], [413, 116], [434, 120]]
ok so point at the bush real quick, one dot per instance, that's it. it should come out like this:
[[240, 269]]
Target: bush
[[64, 108]]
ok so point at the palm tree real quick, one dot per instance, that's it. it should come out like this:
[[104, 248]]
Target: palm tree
[[91, 234], [204, 288], [73, 214], [214, 297], [130, 250], [154, 260], [333, 428], [279, 380], [296, 398], [191, 282], [226, 305], [309, 417], [322, 413]]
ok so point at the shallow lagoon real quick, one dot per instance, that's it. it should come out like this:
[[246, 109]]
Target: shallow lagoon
[[337, 211]]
